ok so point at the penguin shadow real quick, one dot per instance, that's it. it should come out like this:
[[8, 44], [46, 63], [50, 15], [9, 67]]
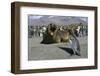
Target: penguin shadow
[[68, 50]]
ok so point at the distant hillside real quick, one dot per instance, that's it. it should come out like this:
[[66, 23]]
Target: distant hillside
[[59, 20]]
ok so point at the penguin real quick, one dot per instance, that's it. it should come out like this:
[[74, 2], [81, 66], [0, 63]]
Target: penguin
[[73, 43]]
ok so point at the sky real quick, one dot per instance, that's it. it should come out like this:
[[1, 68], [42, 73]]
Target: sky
[[40, 16], [35, 17]]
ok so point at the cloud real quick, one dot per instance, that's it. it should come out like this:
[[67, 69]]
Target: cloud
[[35, 17], [51, 16], [84, 18]]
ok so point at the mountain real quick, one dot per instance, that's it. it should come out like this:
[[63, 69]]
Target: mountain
[[59, 20]]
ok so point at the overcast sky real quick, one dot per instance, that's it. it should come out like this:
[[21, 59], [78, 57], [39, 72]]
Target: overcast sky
[[40, 16], [35, 17]]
